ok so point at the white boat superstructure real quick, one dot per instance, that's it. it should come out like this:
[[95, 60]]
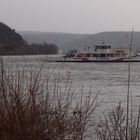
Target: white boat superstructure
[[102, 52]]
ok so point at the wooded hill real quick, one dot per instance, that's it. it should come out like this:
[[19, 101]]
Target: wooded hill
[[12, 43]]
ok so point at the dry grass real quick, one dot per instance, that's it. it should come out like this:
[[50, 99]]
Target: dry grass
[[32, 109]]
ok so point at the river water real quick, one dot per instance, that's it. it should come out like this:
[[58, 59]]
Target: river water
[[109, 80]]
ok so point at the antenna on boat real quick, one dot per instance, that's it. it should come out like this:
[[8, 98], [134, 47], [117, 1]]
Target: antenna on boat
[[103, 40], [131, 44]]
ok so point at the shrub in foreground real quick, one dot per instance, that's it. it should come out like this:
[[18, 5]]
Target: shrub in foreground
[[113, 126], [36, 109]]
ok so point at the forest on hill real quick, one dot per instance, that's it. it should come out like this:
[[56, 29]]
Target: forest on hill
[[12, 43]]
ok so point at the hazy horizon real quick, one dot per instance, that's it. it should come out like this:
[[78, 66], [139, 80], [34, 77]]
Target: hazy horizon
[[35, 31], [71, 16]]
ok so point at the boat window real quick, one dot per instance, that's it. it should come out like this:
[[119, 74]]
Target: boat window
[[102, 55], [116, 54], [88, 55], [80, 55], [95, 55], [108, 54]]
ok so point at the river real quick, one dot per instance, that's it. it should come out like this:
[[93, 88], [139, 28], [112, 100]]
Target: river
[[109, 80]]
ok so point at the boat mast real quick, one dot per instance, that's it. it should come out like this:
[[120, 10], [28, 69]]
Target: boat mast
[[128, 86]]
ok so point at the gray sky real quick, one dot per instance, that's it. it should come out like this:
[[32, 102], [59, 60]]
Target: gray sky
[[74, 16]]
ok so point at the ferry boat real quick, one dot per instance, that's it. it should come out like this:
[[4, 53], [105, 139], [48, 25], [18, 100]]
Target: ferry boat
[[101, 53]]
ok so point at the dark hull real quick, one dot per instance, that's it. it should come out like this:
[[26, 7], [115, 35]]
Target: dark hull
[[97, 61]]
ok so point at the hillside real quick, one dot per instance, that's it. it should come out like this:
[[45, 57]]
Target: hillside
[[12, 43], [8, 36], [70, 41], [62, 40]]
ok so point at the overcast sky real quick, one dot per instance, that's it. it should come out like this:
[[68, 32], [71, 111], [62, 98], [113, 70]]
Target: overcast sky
[[74, 16]]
